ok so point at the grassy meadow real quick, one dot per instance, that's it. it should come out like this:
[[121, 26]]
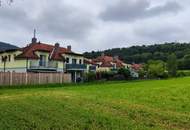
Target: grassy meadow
[[132, 105]]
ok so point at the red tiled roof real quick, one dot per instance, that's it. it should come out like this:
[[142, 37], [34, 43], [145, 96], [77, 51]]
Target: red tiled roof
[[29, 51], [137, 66], [106, 64], [87, 61], [107, 60]]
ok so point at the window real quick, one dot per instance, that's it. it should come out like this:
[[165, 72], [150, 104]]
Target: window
[[67, 60], [80, 61], [9, 58], [74, 61], [42, 60]]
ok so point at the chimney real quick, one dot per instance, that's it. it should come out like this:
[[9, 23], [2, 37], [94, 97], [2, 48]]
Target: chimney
[[56, 45], [69, 48], [34, 39]]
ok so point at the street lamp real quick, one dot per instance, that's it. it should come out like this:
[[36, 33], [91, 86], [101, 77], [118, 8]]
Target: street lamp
[[4, 59]]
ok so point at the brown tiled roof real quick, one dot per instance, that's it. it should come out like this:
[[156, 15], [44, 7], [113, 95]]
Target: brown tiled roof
[[137, 66], [107, 60], [106, 64], [87, 61], [29, 51]]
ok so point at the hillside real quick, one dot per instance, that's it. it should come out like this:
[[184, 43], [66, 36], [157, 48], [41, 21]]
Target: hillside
[[141, 54], [6, 46]]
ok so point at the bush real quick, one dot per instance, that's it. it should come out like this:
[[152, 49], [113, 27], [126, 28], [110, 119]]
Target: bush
[[165, 75], [142, 73], [124, 72], [183, 73], [156, 69], [107, 75], [89, 77], [118, 77]]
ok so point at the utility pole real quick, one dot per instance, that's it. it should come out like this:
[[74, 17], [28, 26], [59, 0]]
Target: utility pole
[[4, 59]]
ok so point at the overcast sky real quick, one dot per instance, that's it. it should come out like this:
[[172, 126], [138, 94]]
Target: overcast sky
[[95, 24]]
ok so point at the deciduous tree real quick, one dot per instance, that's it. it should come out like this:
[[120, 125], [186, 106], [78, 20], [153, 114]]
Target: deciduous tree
[[172, 65]]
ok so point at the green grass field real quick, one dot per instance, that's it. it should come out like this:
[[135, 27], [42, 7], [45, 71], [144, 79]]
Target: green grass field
[[136, 105]]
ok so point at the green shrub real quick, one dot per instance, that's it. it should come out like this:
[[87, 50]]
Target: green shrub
[[183, 73], [124, 72], [89, 77], [108, 75]]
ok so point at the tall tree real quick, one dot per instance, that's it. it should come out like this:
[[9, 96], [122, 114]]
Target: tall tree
[[156, 69], [186, 61], [172, 65]]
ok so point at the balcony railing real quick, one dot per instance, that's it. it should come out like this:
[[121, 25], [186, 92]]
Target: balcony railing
[[92, 68], [43, 65], [75, 66]]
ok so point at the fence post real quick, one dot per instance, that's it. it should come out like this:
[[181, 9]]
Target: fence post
[[51, 78], [39, 78], [26, 78], [11, 78], [0, 79], [61, 78]]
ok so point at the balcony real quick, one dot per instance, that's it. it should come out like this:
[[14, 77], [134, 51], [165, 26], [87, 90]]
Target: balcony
[[92, 68], [39, 65], [75, 67]]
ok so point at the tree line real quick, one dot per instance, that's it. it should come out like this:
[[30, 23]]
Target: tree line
[[144, 54]]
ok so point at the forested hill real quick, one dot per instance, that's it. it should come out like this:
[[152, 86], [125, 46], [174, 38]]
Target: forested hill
[[141, 54]]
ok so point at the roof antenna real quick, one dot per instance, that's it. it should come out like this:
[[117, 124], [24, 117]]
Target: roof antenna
[[34, 39], [34, 33]]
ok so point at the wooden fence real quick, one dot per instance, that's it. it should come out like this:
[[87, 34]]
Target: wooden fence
[[12, 78]]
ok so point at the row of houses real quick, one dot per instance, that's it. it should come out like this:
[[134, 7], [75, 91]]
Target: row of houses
[[105, 63], [39, 57]]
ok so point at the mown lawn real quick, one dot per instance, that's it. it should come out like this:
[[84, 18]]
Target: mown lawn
[[137, 105]]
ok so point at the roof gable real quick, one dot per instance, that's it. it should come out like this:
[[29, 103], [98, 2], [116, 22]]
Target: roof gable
[[29, 51]]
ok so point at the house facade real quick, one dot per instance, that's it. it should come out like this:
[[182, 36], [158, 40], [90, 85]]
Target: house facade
[[40, 57]]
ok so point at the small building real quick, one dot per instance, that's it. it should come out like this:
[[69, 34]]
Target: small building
[[134, 69], [45, 58]]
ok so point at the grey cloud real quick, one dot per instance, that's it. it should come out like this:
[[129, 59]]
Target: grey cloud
[[64, 22], [10, 16], [130, 10], [160, 33], [57, 20], [80, 23]]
